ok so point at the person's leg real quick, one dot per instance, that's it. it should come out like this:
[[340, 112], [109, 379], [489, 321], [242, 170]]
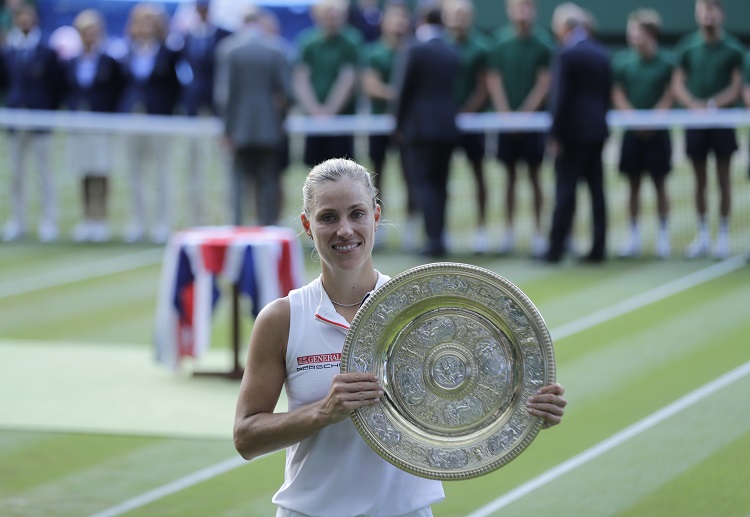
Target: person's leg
[[722, 248], [136, 161], [42, 150], [594, 174], [164, 184], [663, 246], [239, 187], [508, 242], [196, 187], [697, 150], [566, 180], [473, 145], [631, 247], [410, 235], [534, 157], [266, 173], [15, 228]]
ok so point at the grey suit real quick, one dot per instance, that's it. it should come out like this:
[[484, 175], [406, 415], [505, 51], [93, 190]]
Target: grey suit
[[252, 90]]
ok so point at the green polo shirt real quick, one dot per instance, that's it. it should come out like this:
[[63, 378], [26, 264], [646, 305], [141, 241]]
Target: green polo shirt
[[473, 51], [643, 81], [519, 60], [380, 58], [325, 57], [708, 68]]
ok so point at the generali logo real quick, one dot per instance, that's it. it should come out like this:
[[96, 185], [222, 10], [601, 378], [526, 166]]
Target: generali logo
[[318, 358]]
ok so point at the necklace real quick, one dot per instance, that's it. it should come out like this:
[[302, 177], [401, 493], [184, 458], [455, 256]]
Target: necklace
[[344, 304]]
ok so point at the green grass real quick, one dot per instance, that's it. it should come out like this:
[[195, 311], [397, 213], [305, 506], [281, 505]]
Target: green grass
[[76, 367]]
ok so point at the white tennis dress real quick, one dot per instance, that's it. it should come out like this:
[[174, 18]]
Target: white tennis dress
[[334, 473]]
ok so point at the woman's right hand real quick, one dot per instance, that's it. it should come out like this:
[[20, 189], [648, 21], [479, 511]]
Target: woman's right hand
[[348, 392]]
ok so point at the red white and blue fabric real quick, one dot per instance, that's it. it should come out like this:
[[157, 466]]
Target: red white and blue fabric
[[264, 262]]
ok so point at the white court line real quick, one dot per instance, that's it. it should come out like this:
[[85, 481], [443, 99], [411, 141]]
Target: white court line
[[613, 441], [85, 271], [174, 486], [631, 304]]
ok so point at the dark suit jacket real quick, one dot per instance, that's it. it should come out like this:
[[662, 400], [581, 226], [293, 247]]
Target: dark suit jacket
[[199, 91], [580, 93], [33, 81], [159, 92], [102, 94], [427, 105]]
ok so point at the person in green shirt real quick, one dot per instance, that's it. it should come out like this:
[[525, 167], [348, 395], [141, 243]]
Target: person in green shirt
[[471, 90], [518, 79], [708, 76], [376, 78], [642, 77], [325, 78]]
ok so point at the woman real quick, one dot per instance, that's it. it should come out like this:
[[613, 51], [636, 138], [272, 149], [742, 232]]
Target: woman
[[341, 215], [151, 87], [94, 82]]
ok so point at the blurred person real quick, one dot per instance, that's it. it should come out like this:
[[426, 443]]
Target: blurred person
[[254, 85], [377, 84], [325, 78], [33, 78], [94, 83], [746, 95], [340, 215], [518, 79], [425, 111], [198, 60], [367, 18], [580, 96], [150, 87], [473, 47], [708, 76], [642, 79]]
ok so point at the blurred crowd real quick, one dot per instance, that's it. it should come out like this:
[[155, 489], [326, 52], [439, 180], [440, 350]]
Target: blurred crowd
[[424, 65]]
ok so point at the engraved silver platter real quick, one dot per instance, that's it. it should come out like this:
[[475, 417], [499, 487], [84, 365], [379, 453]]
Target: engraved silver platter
[[458, 350]]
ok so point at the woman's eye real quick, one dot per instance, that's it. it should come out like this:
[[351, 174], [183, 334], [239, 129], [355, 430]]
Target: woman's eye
[[327, 218], [358, 214]]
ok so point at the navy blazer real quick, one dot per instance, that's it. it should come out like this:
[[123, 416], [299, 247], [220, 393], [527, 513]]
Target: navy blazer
[[34, 81], [159, 92], [427, 103], [199, 91], [580, 93], [103, 94]]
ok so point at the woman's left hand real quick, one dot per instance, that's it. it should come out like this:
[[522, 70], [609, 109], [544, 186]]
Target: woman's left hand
[[548, 404]]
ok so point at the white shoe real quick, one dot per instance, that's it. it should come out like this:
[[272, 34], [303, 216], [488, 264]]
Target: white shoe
[[663, 246], [630, 248], [82, 232], [12, 231], [133, 233], [47, 232], [99, 231], [508, 244], [721, 247], [481, 241], [538, 245], [699, 247], [160, 235]]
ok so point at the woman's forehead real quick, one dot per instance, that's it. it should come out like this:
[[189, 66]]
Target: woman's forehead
[[344, 191]]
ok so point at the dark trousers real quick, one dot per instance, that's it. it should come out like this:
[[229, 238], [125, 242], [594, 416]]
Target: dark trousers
[[429, 165], [578, 162], [256, 169]]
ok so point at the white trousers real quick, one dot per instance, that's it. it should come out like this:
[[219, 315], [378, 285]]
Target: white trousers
[[21, 145], [144, 151]]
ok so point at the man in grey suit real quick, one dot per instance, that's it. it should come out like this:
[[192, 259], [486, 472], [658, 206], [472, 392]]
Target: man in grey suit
[[252, 92]]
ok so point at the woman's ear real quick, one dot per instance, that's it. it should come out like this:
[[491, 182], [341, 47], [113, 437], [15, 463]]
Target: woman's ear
[[306, 225], [377, 214]]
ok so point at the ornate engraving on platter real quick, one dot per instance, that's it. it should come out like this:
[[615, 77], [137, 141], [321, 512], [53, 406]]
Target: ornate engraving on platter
[[409, 384], [458, 350], [464, 412]]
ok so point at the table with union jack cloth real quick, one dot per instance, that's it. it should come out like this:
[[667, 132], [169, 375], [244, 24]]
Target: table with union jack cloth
[[259, 263]]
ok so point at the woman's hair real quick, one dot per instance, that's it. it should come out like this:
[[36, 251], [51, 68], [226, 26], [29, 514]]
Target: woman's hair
[[88, 18], [334, 170]]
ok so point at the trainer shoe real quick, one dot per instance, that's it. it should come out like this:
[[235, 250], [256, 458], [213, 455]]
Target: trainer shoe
[[12, 231], [508, 244], [160, 234], [721, 247], [99, 231], [481, 241], [82, 232], [630, 248], [133, 233], [47, 232], [699, 247], [663, 245], [538, 245]]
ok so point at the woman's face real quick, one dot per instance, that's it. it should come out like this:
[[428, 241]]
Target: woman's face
[[342, 224], [90, 35]]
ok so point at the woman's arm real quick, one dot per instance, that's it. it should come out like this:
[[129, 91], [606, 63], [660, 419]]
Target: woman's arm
[[257, 429]]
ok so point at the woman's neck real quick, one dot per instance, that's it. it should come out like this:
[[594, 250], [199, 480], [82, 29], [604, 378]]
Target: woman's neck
[[345, 288]]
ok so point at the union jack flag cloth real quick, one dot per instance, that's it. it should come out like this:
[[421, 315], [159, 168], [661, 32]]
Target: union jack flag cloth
[[264, 262]]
